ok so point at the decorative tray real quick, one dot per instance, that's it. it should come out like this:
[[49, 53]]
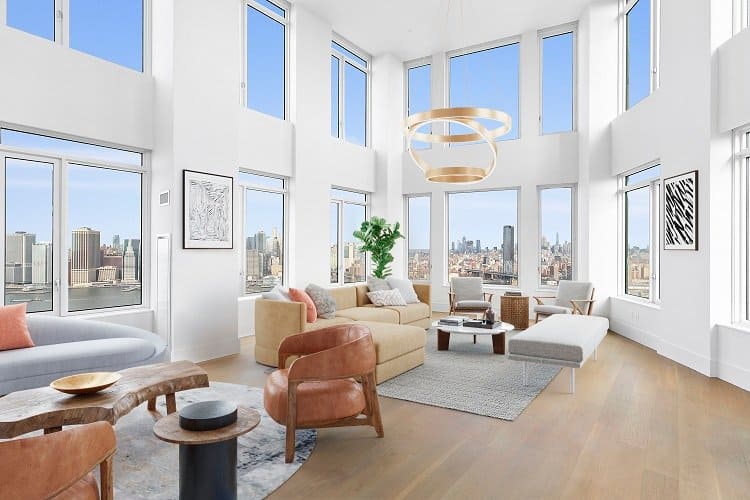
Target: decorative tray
[[480, 323]]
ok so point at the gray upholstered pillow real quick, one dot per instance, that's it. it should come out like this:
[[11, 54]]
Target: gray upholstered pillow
[[386, 298], [323, 300], [376, 284], [406, 288]]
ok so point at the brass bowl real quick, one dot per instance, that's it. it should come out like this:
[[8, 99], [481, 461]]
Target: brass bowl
[[85, 383]]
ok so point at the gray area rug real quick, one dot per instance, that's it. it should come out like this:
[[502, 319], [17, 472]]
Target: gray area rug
[[470, 378], [147, 468]]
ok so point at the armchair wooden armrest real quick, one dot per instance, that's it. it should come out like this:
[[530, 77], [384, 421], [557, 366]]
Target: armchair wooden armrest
[[539, 298], [488, 296], [578, 310]]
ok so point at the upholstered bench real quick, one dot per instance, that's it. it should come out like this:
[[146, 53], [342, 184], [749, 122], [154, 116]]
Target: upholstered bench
[[562, 340]]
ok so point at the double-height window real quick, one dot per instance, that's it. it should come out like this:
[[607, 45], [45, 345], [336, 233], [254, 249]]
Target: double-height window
[[263, 261], [486, 76], [483, 235], [348, 210], [557, 58], [557, 235], [418, 94], [640, 195], [350, 108], [640, 22], [265, 79], [114, 31], [741, 230], [418, 237], [74, 223]]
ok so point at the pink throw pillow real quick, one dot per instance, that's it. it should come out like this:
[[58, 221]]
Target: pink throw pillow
[[14, 334], [298, 295]]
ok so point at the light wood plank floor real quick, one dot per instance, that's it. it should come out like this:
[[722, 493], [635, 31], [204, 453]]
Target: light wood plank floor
[[638, 426]]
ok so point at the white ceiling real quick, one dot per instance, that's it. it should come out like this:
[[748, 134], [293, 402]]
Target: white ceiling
[[409, 29]]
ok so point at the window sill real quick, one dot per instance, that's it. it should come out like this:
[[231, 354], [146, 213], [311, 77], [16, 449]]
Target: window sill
[[94, 314], [740, 327], [639, 302]]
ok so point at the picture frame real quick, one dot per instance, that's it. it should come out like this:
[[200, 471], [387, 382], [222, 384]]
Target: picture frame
[[208, 210], [681, 211]]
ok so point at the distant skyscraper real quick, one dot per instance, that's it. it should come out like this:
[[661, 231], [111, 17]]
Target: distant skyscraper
[[250, 243], [18, 259], [41, 263], [136, 244], [85, 256], [557, 239], [508, 249], [260, 241], [129, 264], [116, 242], [478, 246], [255, 264]]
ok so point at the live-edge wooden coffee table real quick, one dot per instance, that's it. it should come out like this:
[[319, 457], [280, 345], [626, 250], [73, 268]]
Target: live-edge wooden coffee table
[[45, 408]]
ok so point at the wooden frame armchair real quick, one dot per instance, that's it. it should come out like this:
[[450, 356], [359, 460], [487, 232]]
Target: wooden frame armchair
[[330, 384], [466, 296], [573, 297], [60, 465]]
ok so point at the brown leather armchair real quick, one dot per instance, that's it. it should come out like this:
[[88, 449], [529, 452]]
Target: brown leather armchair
[[330, 384], [59, 465]]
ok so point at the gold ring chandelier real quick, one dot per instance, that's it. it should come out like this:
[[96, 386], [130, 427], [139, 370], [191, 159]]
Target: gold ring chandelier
[[468, 117]]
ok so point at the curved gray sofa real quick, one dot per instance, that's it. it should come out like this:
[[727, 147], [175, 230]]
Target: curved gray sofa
[[65, 346]]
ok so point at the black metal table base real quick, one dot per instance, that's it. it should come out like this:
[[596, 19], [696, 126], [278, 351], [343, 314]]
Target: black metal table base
[[209, 471]]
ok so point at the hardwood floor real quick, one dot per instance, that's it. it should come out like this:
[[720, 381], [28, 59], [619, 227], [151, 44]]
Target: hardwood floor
[[638, 426]]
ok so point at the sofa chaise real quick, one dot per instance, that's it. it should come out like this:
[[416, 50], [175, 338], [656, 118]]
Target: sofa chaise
[[398, 331], [65, 346]]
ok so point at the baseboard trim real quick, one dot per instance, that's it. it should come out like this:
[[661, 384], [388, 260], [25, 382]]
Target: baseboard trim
[[635, 334], [207, 351], [733, 374]]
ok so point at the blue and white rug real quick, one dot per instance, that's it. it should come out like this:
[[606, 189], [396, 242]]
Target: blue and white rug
[[469, 377], [147, 468]]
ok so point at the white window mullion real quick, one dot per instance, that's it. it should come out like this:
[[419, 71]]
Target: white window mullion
[[62, 24], [61, 239], [342, 101]]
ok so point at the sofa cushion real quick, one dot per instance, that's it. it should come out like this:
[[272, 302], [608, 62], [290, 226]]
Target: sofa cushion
[[377, 284], [74, 357], [550, 309], [392, 341], [322, 323], [370, 313], [298, 295], [411, 312], [325, 305], [277, 293], [406, 287], [14, 333], [387, 298], [345, 297]]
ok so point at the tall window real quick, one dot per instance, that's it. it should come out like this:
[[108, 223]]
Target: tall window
[[483, 235], [557, 55], [265, 56], [265, 233], [349, 94], [556, 236], [418, 98], [640, 191], [470, 74], [418, 237], [742, 225], [349, 209], [641, 50], [113, 31], [73, 224]]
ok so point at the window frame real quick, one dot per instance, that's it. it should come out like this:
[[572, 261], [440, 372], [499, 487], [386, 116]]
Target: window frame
[[548, 33], [655, 207], [740, 15], [340, 202], [254, 4], [60, 236], [741, 227], [654, 53], [408, 197], [519, 245], [480, 48], [62, 32], [573, 230], [284, 191], [343, 60], [408, 65]]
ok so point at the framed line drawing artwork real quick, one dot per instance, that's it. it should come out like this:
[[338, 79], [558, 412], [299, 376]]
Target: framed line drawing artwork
[[207, 210]]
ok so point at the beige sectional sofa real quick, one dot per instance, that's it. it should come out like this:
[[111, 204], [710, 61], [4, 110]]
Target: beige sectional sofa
[[398, 331]]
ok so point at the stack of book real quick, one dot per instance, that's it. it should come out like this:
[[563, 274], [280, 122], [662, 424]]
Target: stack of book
[[451, 321], [514, 293]]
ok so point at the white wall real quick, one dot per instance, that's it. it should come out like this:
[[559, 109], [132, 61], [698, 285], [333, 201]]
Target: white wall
[[734, 82]]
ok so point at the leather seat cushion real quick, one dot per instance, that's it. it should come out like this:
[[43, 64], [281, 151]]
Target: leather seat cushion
[[550, 309], [392, 341], [85, 489], [316, 401]]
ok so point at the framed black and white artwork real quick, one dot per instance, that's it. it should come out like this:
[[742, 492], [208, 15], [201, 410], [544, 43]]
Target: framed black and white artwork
[[207, 210], [681, 212]]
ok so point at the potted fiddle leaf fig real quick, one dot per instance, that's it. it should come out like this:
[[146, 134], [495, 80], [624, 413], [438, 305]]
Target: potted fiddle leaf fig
[[378, 237]]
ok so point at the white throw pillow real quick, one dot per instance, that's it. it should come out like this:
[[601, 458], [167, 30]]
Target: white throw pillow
[[377, 284], [406, 288], [277, 293], [386, 298]]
